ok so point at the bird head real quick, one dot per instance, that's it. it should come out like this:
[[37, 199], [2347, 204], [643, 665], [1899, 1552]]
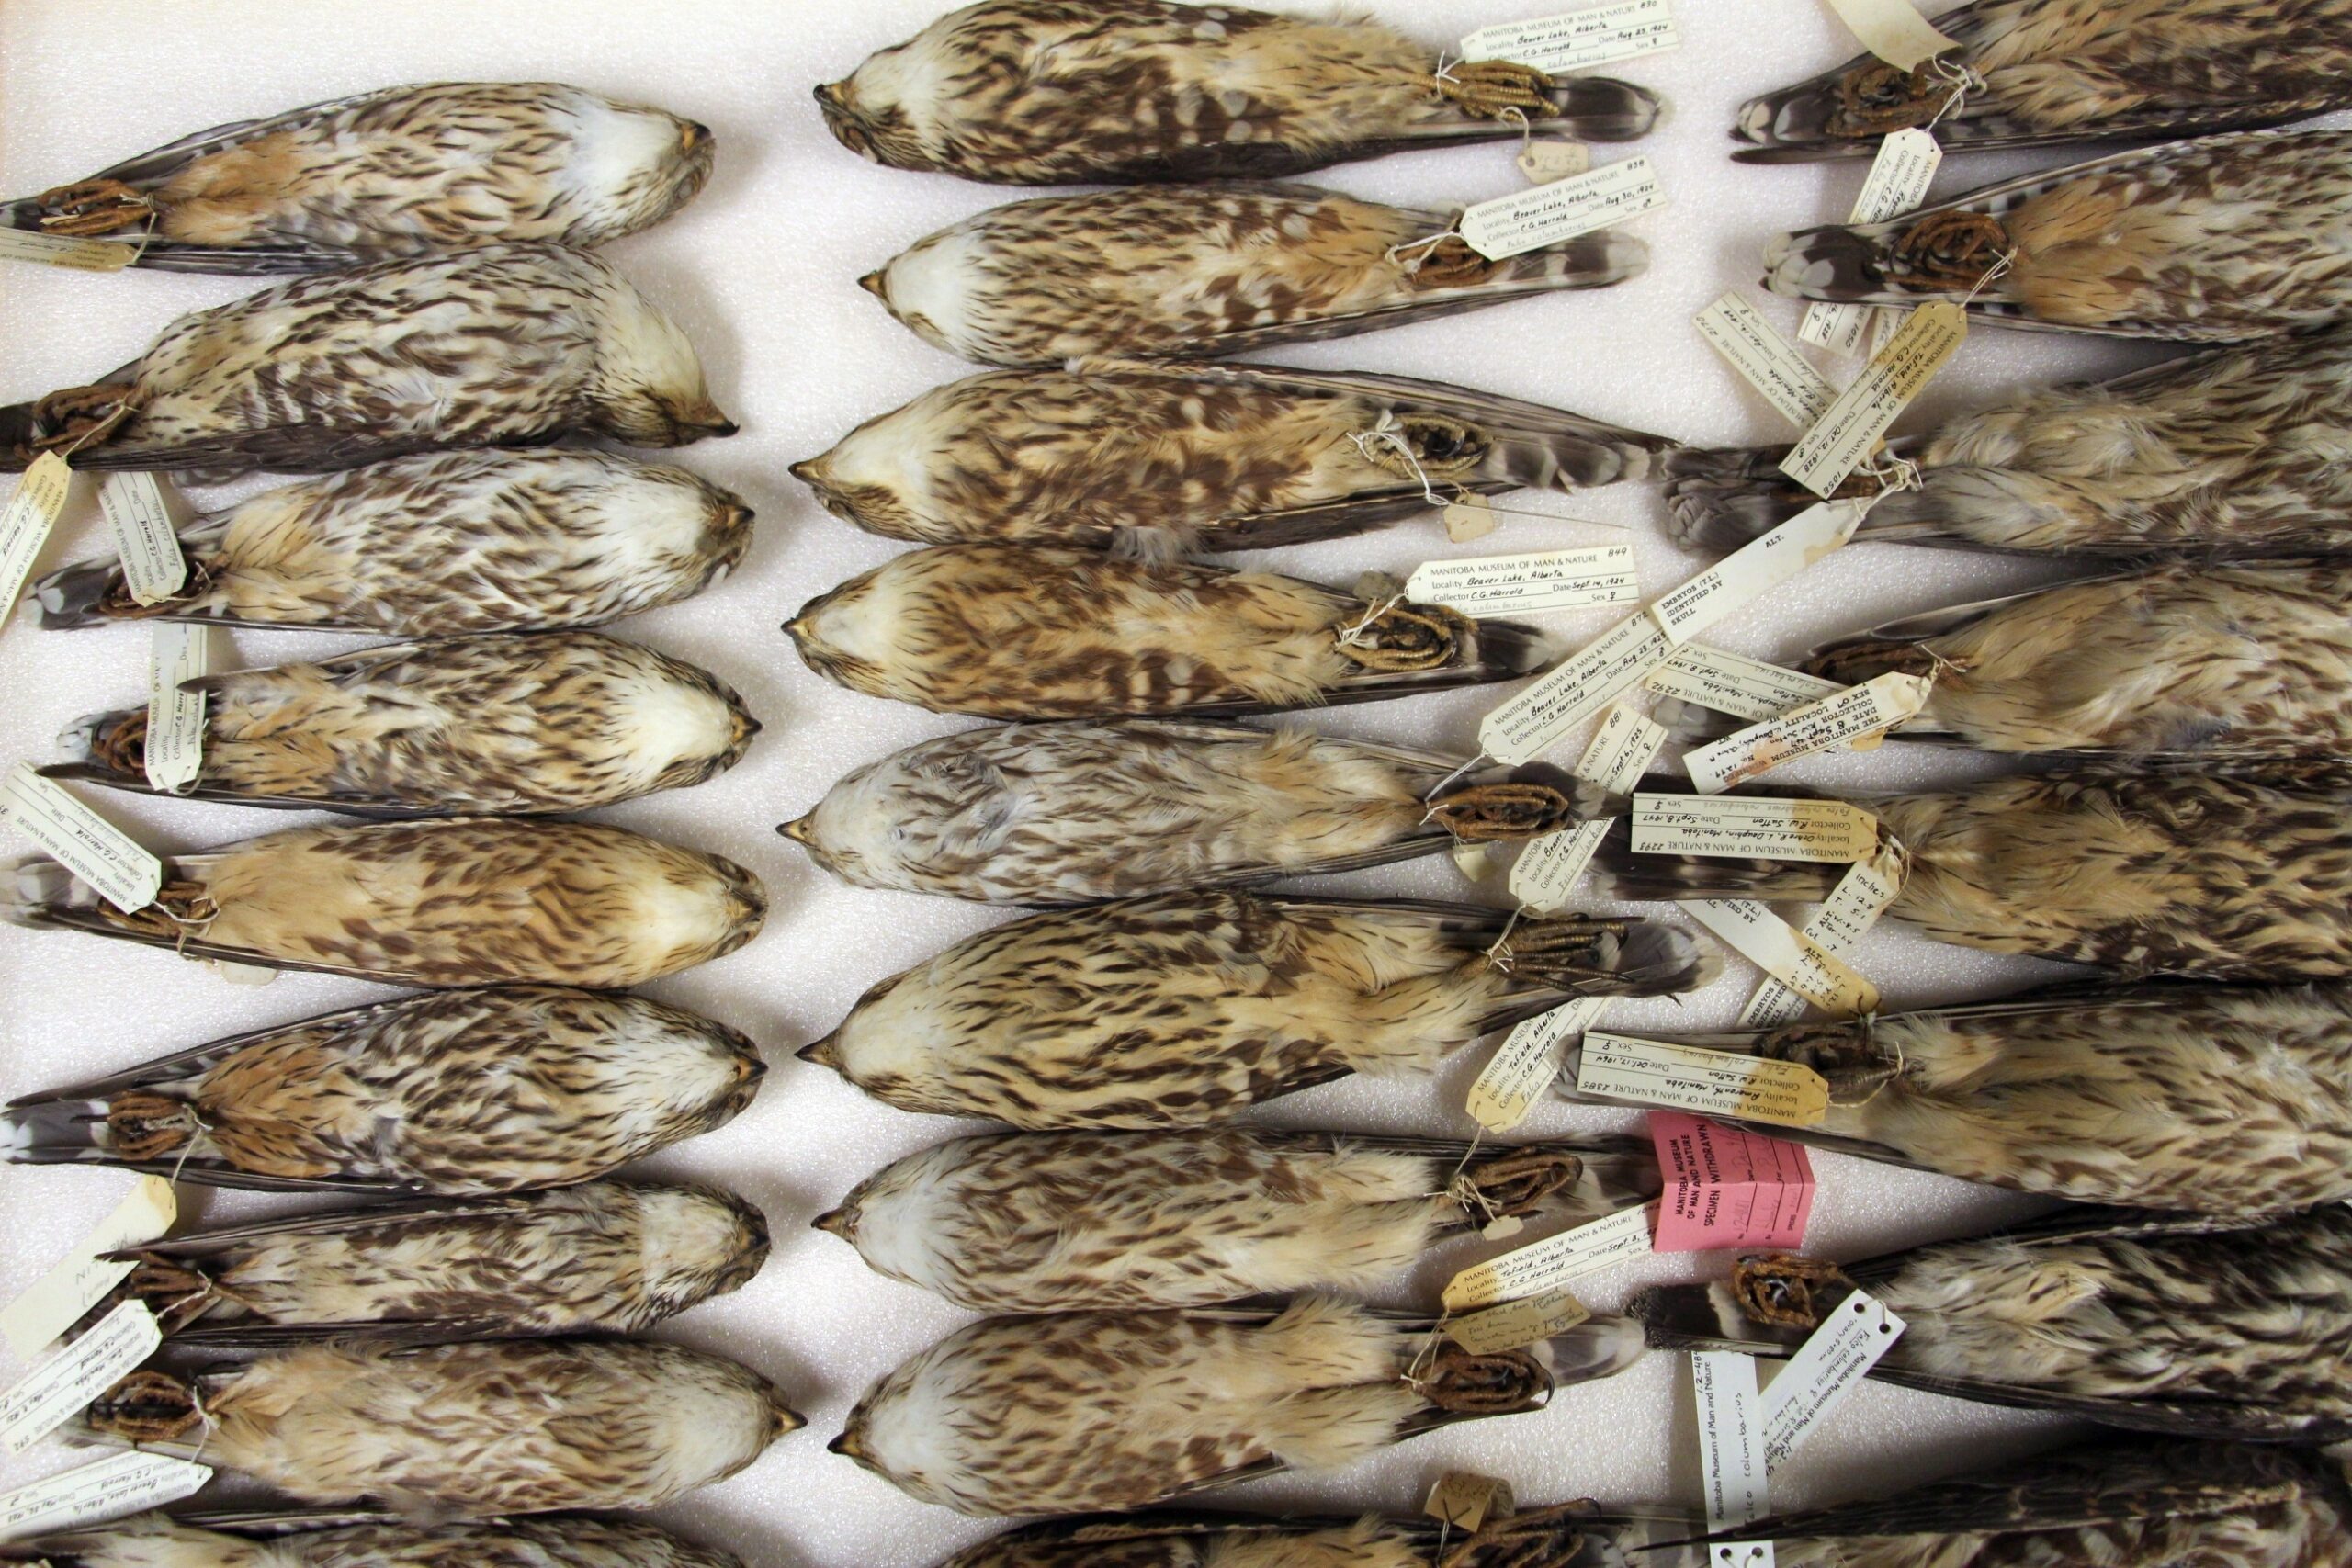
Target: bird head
[[649, 388], [866, 115], [645, 161]]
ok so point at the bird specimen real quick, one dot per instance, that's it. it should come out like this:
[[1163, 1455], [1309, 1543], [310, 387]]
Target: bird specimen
[[1010, 631], [2214, 241], [1163, 459], [606, 1256], [1202, 271], [2223, 1099], [498, 1426], [449, 1093], [2212, 875], [1195, 1538], [462, 901], [1076, 1411], [291, 1540], [2224, 454], [437, 545], [1186, 1009], [496, 346], [2046, 73], [1076, 812], [558, 721], [1077, 92], [2194, 1327], [1055, 1222], [398, 172]]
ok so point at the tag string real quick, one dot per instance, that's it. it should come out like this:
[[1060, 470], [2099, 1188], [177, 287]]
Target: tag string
[[1991, 276], [1499, 954], [1430, 800], [1964, 80], [1396, 252], [1358, 635], [1386, 434]]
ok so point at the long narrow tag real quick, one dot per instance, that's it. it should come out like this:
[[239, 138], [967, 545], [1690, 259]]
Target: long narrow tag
[[1837, 442], [1899, 178], [152, 567], [1619, 753], [1766, 360], [1577, 41], [57, 250], [1528, 1062], [59, 1388], [1746, 688], [1556, 1260], [1893, 31], [1489, 586], [1755, 568], [1854, 906], [52, 1304], [1547, 214], [1743, 827], [32, 510], [1711, 1083], [1516, 1324], [86, 843], [1731, 1452], [1847, 718], [115, 1486], [1826, 1368], [178, 652], [1786, 953]]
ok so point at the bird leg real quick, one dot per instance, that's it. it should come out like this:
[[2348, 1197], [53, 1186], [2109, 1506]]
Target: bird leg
[[1857, 662], [1515, 1183], [91, 207], [176, 1293], [123, 747], [1877, 99], [179, 908], [1447, 262], [148, 1126], [1461, 1384], [1540, 1538], [1492, 88], [80, 416], [1845, 1052], [1440, 447], [1554, 952], [1498, 812], [1950, 250], [1405, 636], [145, 1407], [1786, 1291]]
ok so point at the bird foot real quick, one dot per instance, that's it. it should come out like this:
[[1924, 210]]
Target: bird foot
[[148, 1126], [1786, 1291], [1508, 811], [80, 416], [1951, 249], [91, 207], [1493, 89], [1516, 1184], [1406, 637], [1461, 1384], [145, 1407]]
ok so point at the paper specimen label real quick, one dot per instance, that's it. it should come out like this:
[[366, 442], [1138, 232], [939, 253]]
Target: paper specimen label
[[1489, 586], [1728, 1187], [79, 839], [1543, 161], [1528, 1062], [1468, 517], [1712, 1083], [1755, 568], [50, 1306], [1621, 751], [1836, 443], [1574, 40], [61, 1387], [1899, 178], [1824, 1370], [1533, 721], [1750, 828], [1466, 1501], [1766, 360], [1546, 214], [1893, 30], [176, 653], [1872, 708], [1786, 953], [58, 249], [115, 1487], [1746, 688], [1554, 1260], [1546, 871], [1731, 1452], [1853, 907], [32, 510], [1516, 1324], [152, 567]]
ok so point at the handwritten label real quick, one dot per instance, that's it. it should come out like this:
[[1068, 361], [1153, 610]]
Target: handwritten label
[[1728, 683], [1573, 41], [58, 1298], [1748, 827], [1839, 440], [1899, 178], [1754, 568], [1712, 1083], [80, 839], [1469, 517], [1621, 751], [1517, 1324], [1731, 1452], [32, 510], [1870, 709], [1853, 907], [1787, 954], [1547, 214], [59, 1388], [1727, 1187], [176, 653], [152, 567], [115, 1486], [1766, 360], [1826, 1368], [1893, 31], [1467, 1501], [58, 249], [1554, 1260], [1528, 1062], [1547, 869], [1488, 586], [1543, 161]]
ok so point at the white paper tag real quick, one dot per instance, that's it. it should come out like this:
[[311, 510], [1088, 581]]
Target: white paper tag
[[61, 1387], [1514, 1324], [152, 567], [115, 1487], [1824, 1370], [1484, 587], [55, 1300], [1554, 1260], [1887, 322], [1786, 953], [1755, 568], [1543, 161], [1893, 31], [1870, 709], [1548, 869], [1853, 907], [1532, 722], [1576, 40], [1835, 446], [1547, 214], [32, 510], [1469, 517], [79, 839], [1528, 1063], [1722, 682], [58, 249], [1753, 828], [1899, 178], [1466, 1501], [1710, 1083], [176, 652], [1766, 360], [1621, 751], [1731, 1452]]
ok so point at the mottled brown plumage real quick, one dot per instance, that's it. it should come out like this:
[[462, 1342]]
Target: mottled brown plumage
[[464, 901], [1204, 271], [280, 1539], [1202, 1538], [1085, 92], [1186, 1009], [451, 1092], [402, 171], [1010, 631]]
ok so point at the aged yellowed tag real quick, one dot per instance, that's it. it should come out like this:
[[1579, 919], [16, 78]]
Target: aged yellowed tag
[[1577, 41], [1484, 587], [32, 510], [1554, 1260], [1722, 682], [1528, 1062], [177, 653], [52, 1304], [1900, 176], [1766, 360], [1468, 1502], [152, 567], [117, 1485], [1710, 1083], [1845, 718], [1787, 954], [86, 843], [58, 249], [1745, 827], [1547, 214], [62, 1386], [1469, 517], [1543, 161], [1853, 907], [1837, 442], [1893, 30], [1516, 1324]]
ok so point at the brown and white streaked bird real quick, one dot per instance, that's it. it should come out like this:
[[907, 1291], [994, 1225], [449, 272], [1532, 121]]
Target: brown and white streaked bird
[[2219, 1100], [295, 1540], [1163, 459], [1015, 631], [1079, 812], [1062, 1222], [1078, 1411], [2053, 72], [440, 544], [1194, 1538], [2188, 1326], [2228, 454], [606, 1256], [449, 1093], [2213, 240], [2210, 874], [502, 723], [459, 901], [2185, 660], [1084, 91], [398, 172], [1187, 1008], [1199, 272], [501, 345], [475, 1428]]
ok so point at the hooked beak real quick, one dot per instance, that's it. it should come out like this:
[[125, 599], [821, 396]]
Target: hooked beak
[[821, 1052], [841, 1221], [800, 829]]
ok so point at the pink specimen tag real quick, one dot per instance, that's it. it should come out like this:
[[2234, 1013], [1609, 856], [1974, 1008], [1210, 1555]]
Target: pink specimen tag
[[1727, 1186]]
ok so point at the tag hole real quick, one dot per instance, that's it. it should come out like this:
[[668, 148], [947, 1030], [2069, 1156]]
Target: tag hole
[[1886, 1329]]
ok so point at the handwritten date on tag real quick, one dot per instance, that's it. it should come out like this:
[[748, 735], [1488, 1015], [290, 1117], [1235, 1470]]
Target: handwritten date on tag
[[1547, 214], [1853, 907], [1556, 1260], [1528, 1062], [86, 843], [1766, 360], [1711, 1083], [58, 249], [32, 512], [1849, 717], [1515, 1324], [1753, 828], [1488, 586], [58, 1389], [1837, 442], [1786, 953], [1722, 682], [110, 1489], [1576, 40]]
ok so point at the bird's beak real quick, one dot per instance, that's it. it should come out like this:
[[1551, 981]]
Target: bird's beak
[[830, 94], [797, 629], [800, 830], [877, 284], [841, 1221], [809, 471], [822, 1052], [692, 135], [848, 1446], [786, 1419]]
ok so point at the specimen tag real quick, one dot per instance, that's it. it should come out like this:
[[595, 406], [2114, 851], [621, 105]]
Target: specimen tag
[[1839, 440], [1754, 566], [1727, 1187], [1712, 1083], [1554, 1260], [58, 249], [59, 1297], [1469, 517], [1825, 1371], [1548, 869], [152, 567], [1486, 586], [1731, 1452], [1750, 828], [1527, 1063], [1893, 31], [76, 837], [58, 1389], [1516, 1324], [32, 512], [1787, 954], [1543, 161], [1546, 214], [1900, 176], [1766, 360], [1734, 683], [115, 1486], [1598, 35], [1853, 907], [176, 652], [1621, 751], [1870, 709], [1466, 1501]]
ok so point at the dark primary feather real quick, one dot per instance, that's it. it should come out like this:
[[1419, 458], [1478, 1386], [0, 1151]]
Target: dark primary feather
[[287, 1538]]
